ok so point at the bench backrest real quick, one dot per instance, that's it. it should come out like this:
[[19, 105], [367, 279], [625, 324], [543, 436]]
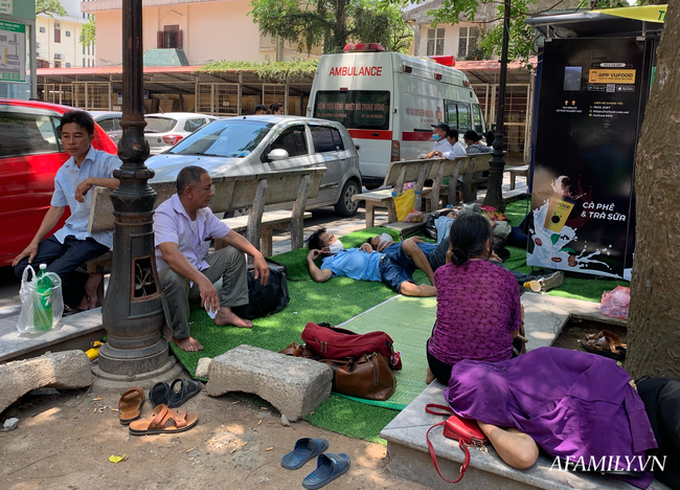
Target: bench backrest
[[231, 193], [406, 171]]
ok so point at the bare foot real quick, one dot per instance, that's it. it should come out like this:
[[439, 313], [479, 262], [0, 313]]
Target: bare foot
[[226, 317], [91, 286], [429, 377], [188, 344]]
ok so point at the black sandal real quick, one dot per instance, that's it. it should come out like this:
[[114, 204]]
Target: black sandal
[[187, 388], [159, 394]]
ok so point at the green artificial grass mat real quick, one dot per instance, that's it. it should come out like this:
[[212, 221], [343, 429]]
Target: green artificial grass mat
[[342, 299], [409, 322]]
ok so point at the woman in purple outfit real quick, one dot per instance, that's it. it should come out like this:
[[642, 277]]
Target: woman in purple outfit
[[478, 307]]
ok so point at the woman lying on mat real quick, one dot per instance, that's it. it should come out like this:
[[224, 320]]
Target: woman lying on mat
[[478, 308]]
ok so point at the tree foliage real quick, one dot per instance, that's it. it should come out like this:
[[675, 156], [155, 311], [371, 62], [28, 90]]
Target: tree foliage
[[50, 7], [87, 35], [520, 34], [268, 71], [333, 23]]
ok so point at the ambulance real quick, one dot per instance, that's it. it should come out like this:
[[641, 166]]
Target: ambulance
[[389, 101]]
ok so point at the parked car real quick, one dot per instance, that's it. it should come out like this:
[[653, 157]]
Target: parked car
[[258, 144], [162, 131], [109, 122], [30, 155]]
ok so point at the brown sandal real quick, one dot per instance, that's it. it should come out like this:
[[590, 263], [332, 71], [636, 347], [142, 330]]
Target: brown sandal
[[606, 344], [163, 420], [130, 404]]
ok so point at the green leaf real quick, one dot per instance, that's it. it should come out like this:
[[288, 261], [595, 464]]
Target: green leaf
[[49, 7], [554, 237]]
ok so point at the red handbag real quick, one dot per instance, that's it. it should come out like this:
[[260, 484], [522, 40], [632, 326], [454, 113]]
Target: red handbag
[[465, 431], [337, 343]]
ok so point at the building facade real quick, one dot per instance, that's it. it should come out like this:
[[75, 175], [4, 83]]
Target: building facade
[[206, 30], [58, 38]]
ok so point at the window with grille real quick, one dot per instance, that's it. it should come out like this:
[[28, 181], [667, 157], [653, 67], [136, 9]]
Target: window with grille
[[170, 37], [435, 41], [467, 41]]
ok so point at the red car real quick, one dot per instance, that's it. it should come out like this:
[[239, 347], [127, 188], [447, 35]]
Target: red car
[[30, 155]]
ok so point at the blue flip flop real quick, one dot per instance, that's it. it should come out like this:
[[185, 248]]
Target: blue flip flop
[[305, 449], [329, 466]]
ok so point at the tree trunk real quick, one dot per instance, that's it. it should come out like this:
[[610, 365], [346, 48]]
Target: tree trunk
[[654, 332], [339, 38]]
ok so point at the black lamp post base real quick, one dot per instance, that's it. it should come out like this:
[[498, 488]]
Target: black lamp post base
[[124, 364]]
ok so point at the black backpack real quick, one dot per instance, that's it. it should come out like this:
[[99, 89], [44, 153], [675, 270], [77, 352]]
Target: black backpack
[[264, 300]]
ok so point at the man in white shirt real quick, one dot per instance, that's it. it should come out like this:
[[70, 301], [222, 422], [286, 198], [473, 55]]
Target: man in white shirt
[[457, 150], [72, 245], [441, 144]]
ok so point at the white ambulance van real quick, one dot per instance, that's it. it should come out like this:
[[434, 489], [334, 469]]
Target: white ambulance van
[[389, 101]]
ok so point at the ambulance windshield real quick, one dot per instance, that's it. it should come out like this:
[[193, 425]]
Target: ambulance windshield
[[354, 109]]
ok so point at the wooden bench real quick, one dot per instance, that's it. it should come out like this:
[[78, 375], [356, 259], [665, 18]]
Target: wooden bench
[[398, 173], [478, 162], [231, 194], [521, 171]]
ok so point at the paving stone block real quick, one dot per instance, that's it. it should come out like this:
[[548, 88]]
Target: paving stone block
[[63, 370], [295, 386]]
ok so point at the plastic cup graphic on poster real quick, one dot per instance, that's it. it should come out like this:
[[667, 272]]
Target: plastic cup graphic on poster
[[551, 236]]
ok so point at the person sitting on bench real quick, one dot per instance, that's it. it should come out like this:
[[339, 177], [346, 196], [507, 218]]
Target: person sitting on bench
[[380, 259], [184, 226], [71, 246]]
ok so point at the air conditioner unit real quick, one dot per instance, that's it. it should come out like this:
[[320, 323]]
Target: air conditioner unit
[[58, 56], [57, 25]]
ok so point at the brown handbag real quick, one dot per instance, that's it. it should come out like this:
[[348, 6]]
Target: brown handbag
[[299, 350], [368, 377]]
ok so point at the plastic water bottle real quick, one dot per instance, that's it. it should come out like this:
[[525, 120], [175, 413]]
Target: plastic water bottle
[[42, 309]]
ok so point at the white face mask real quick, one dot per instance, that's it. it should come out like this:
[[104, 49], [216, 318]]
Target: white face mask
[[384, 240], [335, 247]]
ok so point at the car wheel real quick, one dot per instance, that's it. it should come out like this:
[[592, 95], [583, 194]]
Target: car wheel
[[345, 206]]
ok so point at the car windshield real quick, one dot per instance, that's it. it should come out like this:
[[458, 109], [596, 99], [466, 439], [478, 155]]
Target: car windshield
[[159, 124], [232, 139]]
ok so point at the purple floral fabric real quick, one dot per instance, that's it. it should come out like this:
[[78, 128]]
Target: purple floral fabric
[[478, 308]]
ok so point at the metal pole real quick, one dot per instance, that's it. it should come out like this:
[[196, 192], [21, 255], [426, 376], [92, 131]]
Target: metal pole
[[132, 312], [494, 194]]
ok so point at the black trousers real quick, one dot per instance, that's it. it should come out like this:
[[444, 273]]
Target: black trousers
[[63, 259]]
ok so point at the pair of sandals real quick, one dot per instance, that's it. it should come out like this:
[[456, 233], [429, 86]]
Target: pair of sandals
[[605, 343], [329, 466], [162, 420]]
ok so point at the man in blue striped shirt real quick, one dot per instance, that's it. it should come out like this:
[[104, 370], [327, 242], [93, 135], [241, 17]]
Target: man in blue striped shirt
[[71, 245]]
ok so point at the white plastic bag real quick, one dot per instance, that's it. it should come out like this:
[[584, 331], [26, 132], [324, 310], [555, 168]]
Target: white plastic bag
[[29, 300]]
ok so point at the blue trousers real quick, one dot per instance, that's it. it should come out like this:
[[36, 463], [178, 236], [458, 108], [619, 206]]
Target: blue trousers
[[63, 259]]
